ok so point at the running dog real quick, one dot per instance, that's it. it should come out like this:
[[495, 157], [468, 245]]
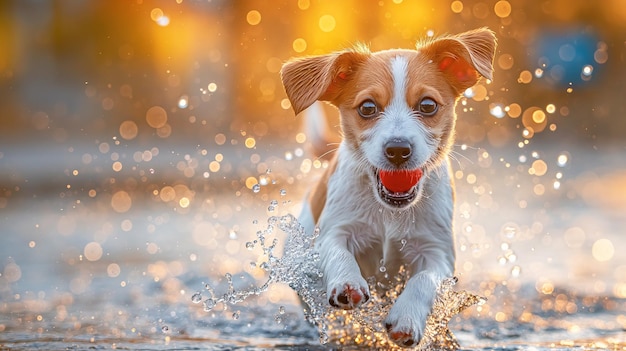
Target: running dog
[[387, 196]]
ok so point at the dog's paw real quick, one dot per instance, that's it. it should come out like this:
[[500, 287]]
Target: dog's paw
[[405, 324], [348, 296], [403, 336]]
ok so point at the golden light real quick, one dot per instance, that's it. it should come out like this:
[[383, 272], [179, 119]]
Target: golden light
[[250, 143], [534, 119], [327, 23], [539, 189], [525, 77], [214, 166], [304, 4], [220, 139], [514, 110], [546, 288], [480, 92], [128, 130], [113, 270], [184, 202], [156, 116], [250, 182], [93, 251], [506, 61], [502, 9], [539, 117], [156, 13], [285, 104], [159, 17], [121, 201], [253, 17], [167, 193], [117, 166], [300, 138], [299, 45], [603, 250], [456, 6]]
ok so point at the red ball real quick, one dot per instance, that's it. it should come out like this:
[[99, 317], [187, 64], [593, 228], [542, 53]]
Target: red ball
[[400, 181]]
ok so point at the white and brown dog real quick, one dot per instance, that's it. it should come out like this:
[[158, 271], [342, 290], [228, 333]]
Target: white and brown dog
[[387, 195]]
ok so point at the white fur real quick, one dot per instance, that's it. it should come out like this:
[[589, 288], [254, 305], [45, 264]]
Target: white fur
[[357, 233]]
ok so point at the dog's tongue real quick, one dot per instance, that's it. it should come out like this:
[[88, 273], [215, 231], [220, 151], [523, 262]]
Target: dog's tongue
[[400, 181]]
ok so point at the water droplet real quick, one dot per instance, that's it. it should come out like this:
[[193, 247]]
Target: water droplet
[[236, 315], [281, 309], [196, 298], [497, 110], [232, 234], [249, 245], [515, 271], [256, 188], [183, 102], [382, 269], [509, 231], [165, 329], [562, 160], [209, 304], [283, 192], [403, 242]]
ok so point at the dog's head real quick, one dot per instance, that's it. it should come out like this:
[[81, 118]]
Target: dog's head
[[397, 106]]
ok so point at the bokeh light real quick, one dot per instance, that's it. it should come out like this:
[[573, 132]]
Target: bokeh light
[[141, 157]]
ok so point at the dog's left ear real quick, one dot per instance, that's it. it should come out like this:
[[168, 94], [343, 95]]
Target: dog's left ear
[[323, 78], [465, 57]]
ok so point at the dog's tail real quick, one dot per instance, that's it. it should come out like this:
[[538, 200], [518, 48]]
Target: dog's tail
[[322, 137]]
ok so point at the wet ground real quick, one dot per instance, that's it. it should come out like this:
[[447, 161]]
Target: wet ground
[[94, 256]]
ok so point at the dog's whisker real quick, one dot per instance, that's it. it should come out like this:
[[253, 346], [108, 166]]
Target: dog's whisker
[[454, 154], [326, 153]]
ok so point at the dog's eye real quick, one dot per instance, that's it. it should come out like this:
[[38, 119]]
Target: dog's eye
[[368, 109], [427, 107]]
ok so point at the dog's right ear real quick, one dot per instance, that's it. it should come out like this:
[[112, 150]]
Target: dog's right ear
[[319, 77]]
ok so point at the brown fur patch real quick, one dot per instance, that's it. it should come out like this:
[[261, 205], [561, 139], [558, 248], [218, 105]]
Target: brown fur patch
[[317, 197]]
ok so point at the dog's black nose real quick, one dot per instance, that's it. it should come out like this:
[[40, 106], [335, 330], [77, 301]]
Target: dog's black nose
[[398, 151]]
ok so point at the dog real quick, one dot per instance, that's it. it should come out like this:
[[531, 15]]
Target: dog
[[387, 196]]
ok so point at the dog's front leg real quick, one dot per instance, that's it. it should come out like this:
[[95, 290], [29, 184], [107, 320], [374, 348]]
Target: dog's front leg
[[407, 318], [345, 285]]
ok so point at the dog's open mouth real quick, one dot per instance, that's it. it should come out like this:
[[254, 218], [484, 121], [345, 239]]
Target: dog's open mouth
[[398, 188]]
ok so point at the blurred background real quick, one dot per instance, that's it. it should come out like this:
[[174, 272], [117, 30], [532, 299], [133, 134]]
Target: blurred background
[[143, 143]]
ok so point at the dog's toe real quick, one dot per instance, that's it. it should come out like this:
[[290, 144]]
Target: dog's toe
[[348, 297], [401, 338]]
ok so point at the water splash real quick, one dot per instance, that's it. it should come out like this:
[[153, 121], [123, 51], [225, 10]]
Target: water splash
[[364, 327]]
